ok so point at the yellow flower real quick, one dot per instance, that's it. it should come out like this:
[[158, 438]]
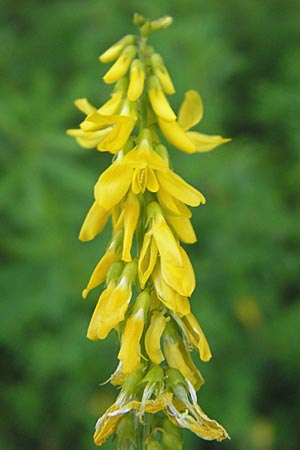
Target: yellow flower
[[94, 222], [158, 101], [177, 303], [178, 134], [130, 351], [107, 128], [182, 227], [136, 80], [180, 277], [178, 356], [142, 168], [153, 336], [112, 254], [112, 304], [121, 66]]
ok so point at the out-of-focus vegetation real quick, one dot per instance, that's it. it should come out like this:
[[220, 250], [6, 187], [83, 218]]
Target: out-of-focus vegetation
[[244, 58]]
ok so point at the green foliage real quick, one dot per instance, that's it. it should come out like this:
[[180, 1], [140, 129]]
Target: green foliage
[[243, 57]]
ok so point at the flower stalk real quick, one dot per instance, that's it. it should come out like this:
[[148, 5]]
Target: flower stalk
[[147, 277]]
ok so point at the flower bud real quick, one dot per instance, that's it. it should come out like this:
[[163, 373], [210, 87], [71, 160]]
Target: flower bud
[[121, 66], [158, 100], [162, 74], [136, 80], [115, 50]]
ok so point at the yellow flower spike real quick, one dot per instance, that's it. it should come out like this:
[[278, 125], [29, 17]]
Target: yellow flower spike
[[112, 254], [178, 356], [167, 245], [180, 277], [131, 215], [94, 222], [115, 305], [158, 100], [121, 66], [147, 259], [194, 335], [162, 74], [130, 352], [177, 303], [153, 337], [183, 228], [115, 50], [136, 80]]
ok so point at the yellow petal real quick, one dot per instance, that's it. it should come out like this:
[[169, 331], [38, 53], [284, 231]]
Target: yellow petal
[[112, 105], [191, 110], [130, 352], [204, 142], [196, 336], [147, 259], [94, 222], [84, 106], [116, 307], [177, 303], [121, 66], [176, 136], [183, 228], [88, 139], [153, 336], [180, 278], [131, 215], [112, 185], [99, 274], [99, 313], [136, 81], [167, 245], [177, 187], [117, 138], [158, 100]]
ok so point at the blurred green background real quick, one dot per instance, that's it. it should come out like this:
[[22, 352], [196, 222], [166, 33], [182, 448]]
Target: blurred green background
[[244, 59]]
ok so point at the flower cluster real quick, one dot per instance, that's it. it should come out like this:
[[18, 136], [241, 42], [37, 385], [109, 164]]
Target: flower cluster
[[146, 274]]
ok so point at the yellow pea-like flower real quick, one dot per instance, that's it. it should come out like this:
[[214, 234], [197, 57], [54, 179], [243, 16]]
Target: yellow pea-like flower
[[121, 66], [94, 222], [178, 134], [158, 100], [130, 351], [136, 80], [153, 337], [112, 254]]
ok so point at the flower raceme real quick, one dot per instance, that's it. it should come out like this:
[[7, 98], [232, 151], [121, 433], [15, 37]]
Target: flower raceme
[[146, 275]]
